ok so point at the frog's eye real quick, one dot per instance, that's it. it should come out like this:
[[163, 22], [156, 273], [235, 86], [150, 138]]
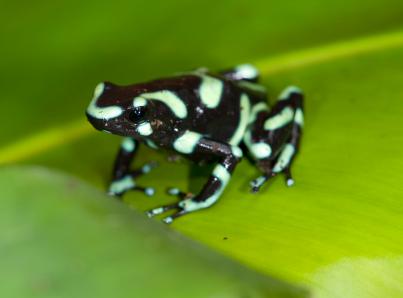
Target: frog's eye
[[137, 114]]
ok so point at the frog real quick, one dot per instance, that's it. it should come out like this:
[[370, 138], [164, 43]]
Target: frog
[[206, 117]]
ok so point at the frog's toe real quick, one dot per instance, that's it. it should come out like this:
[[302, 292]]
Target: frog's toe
[[257, 183], [162, 209], [149, 166], [148, 191], [173, 191], [179, 207], [170, 219], [146, 168], [288, 178], [120, 186]]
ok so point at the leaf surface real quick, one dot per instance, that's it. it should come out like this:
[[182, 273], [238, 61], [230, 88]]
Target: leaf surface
[[338, 230], [63, 238]]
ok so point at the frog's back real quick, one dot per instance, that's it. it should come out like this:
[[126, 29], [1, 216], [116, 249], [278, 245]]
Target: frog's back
[[217, 107]]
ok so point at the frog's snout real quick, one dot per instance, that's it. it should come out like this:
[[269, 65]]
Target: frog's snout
[[98, 124]]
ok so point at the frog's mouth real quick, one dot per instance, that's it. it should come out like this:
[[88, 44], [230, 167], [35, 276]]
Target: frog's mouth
[[99, 124], [102, 124], [116, 126]]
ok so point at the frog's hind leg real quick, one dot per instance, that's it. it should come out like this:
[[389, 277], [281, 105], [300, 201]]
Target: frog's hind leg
[[243, 72], [281, 163]]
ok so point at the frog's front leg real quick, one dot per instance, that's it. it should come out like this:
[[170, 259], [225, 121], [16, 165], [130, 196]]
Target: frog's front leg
[[228, 155], [123, 177]]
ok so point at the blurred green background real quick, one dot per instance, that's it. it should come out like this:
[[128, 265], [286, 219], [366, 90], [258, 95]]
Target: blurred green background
[[338, 231]]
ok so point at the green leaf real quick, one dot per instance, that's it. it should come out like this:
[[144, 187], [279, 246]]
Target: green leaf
[[338, 230], [62, 238]]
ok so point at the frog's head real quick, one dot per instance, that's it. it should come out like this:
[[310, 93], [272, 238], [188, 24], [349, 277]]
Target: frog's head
[[122, 111]]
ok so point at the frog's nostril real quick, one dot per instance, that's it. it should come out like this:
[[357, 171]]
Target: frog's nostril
[[108, 85]]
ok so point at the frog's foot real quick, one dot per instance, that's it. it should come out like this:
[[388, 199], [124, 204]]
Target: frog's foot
[[165, 208], [120, 186], [182, 206], [257, 183], [288, 177]]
